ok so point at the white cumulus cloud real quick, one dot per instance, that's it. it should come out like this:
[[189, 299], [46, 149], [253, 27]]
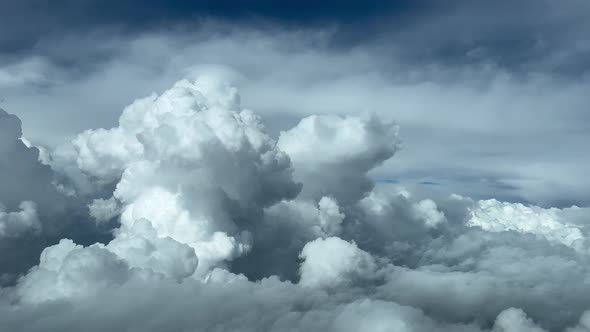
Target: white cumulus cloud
[[552, 224]]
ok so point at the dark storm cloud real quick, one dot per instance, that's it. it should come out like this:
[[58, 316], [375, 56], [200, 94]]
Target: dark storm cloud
[[22, 176], [34, 213]]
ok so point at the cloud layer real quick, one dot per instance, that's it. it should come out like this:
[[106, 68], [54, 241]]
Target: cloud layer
[[217, 226]]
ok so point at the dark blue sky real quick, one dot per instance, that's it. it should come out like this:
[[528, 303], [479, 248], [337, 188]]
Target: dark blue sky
[[518, 35], [131, 12]]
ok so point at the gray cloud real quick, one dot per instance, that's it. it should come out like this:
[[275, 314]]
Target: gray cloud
[[34, 212]]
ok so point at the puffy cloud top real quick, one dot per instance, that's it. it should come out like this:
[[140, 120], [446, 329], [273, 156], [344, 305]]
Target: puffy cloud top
[[332, 154], [193, 163], [551, 224], [333, 262]]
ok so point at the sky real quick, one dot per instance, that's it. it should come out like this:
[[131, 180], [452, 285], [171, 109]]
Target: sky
[[389, 165]]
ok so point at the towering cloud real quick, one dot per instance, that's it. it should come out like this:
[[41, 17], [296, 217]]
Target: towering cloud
[[193, 164]]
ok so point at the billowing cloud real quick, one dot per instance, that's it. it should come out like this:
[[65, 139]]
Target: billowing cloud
[[193, 163], [513, 320], [333, 262], [556, 225], [22, 176], [349, 146]]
